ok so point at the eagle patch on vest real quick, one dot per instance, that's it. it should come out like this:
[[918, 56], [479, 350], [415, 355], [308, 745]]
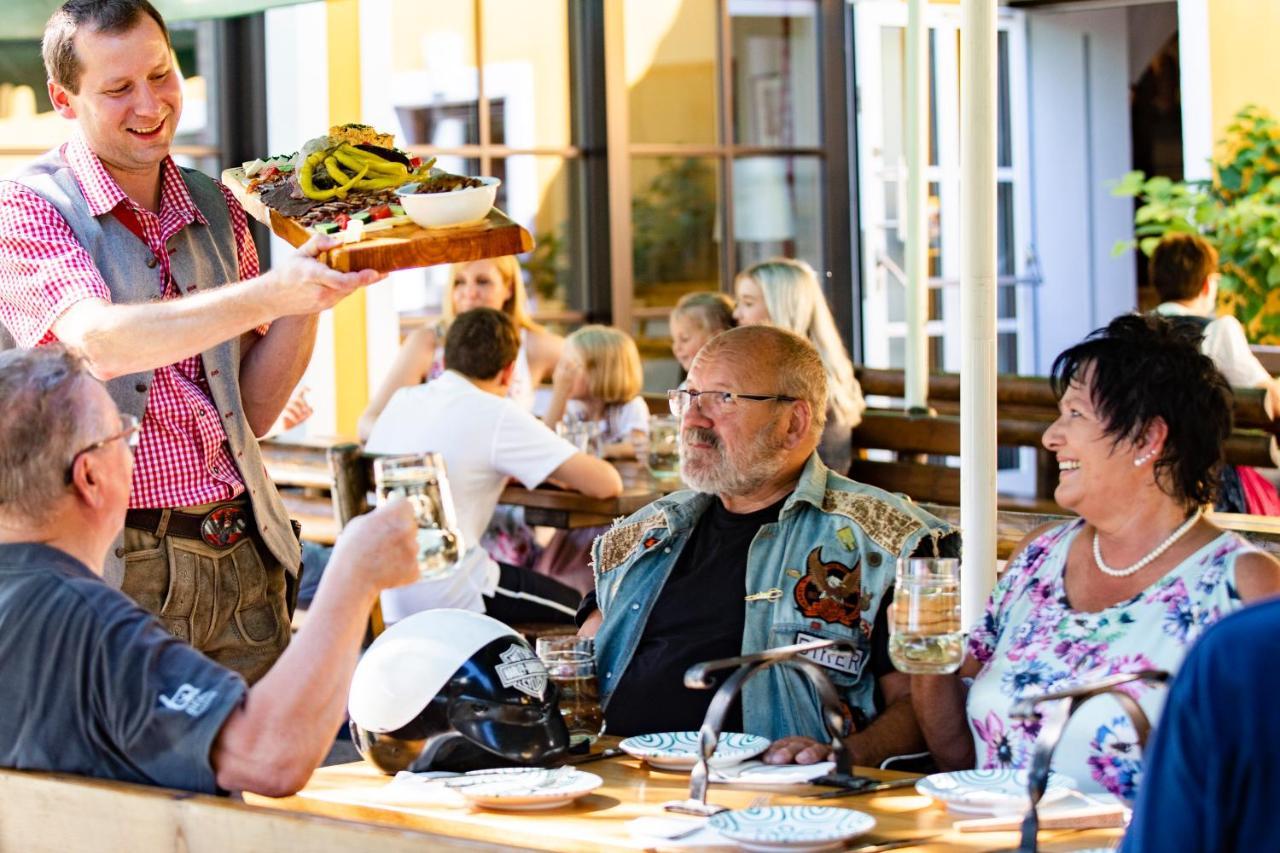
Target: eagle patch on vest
[[831, 592], [886, 525], [615, 545]]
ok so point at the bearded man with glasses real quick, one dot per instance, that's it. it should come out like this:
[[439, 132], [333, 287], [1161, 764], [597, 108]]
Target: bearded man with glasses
[[767, 548], [94, 684]]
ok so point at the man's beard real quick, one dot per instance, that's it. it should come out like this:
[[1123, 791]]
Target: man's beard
[[718, 471]]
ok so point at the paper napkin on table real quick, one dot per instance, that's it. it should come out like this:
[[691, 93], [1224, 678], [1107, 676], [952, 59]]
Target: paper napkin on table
[[759, 773]]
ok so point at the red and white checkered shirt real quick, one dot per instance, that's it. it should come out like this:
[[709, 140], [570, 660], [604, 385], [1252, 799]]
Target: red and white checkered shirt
[[183, 457]]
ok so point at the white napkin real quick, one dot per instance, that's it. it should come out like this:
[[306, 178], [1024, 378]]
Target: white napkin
[[401, 793], [758, 773]]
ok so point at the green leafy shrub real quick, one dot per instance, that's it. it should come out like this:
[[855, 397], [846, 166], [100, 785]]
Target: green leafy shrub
[[1238, 210]]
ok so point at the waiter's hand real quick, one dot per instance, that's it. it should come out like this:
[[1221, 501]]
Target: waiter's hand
[[797, 750], [301, 284]]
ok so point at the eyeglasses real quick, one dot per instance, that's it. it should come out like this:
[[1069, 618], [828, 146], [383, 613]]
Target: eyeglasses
[[129, 427], [714, 404]]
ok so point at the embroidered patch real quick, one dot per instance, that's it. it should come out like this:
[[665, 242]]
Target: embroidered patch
[[888, 526], [845, 535], [841, 660], [831, 592], [621, 540], [523, 670]]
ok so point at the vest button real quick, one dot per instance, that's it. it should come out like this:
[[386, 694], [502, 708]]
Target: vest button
[[120, 553], [874, 559], [151, 262], [141, 387], [635, 607]]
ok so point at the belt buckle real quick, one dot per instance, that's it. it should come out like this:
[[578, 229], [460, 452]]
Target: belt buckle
[[224, 526]]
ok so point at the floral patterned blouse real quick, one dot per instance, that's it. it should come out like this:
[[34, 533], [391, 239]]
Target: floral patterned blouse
[[1030, 641]]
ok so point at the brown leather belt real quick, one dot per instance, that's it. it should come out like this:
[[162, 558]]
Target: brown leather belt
[[221, 527]]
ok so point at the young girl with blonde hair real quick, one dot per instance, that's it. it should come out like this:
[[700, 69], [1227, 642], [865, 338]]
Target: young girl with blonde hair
[[784, 292], [697, 318], [597, 380]]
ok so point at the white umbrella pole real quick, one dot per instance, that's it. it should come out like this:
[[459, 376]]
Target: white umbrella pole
[[917, 242], [978, 304]]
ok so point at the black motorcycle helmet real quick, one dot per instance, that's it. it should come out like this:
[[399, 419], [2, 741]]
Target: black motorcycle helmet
[[454, 690]]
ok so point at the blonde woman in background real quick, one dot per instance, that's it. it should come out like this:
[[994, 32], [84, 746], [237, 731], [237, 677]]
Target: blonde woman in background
[[488, 283], [785, 293]]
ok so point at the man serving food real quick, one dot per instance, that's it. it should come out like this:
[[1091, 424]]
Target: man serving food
[[148, 269]]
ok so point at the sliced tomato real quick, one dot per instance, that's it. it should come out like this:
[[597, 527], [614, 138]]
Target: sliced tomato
[[415, 162], [269, 174], [380, 211], [342, 219]]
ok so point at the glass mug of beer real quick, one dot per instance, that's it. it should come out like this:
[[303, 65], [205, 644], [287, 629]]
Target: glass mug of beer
[[571, 666], [663, 458], [420, 479], [925, 637]]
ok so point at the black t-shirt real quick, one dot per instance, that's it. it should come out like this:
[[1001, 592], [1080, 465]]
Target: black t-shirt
[[699, 616], [693, 621], [94, 685]]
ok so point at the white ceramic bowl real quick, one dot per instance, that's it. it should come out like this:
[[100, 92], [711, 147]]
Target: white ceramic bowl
[[447, 209]]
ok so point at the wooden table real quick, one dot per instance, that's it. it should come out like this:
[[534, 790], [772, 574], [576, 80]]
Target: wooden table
[[554, 507], [632, 790]]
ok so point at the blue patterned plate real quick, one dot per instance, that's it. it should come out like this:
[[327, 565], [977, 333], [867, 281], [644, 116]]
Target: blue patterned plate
[[524, 788], [679, 750], [990, 791], [791, 828]]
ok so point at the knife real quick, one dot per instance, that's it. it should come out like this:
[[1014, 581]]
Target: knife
[[611, 752], [868, 789], [893, 845]]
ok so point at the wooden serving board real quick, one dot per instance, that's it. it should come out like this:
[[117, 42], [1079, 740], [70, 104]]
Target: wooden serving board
[[401, 247]]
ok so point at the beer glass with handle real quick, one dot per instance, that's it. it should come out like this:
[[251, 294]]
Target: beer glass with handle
[[420, 478], [925, 637]]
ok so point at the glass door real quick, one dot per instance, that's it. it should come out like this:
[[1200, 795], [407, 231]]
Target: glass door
[[880, 33]]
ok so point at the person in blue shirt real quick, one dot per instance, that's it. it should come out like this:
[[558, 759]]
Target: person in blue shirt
[[1213, 778], [94, 684]]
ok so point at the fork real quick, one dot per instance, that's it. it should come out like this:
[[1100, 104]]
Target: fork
[[756, 802]]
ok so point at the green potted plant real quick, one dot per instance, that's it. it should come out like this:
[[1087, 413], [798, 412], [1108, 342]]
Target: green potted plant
[[1238, 210]]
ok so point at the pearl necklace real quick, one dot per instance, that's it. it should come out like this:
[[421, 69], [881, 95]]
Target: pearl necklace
[[1159, 549]]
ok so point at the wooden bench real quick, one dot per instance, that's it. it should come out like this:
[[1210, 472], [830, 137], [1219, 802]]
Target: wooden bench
[[300, 470], [1027, 407], [56, 813]]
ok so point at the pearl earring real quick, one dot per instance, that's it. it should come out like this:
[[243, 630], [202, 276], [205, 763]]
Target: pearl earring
[[1142, 460]]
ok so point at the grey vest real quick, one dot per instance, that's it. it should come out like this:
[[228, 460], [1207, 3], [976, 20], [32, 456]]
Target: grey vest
[[200, 257]]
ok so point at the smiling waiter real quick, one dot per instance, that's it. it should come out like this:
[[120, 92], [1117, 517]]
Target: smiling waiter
[[148, 268]]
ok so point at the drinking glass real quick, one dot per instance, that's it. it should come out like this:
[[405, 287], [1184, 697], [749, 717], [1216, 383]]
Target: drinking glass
[[664, 447], [571, 666], [924, 634], [587, 436], [420, 479]]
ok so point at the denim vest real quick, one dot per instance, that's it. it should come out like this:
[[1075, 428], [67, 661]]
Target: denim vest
[[202, 257], [819, 572]]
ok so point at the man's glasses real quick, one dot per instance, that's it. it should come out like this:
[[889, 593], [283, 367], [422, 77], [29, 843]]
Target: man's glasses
[[129, 427], [713, 404]]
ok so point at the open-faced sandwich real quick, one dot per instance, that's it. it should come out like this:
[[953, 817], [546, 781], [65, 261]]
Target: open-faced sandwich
[[346, 181]]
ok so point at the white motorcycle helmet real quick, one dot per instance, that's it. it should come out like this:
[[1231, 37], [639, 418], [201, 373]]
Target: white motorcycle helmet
[[453, 690]]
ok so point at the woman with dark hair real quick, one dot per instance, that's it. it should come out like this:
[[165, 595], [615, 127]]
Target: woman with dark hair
[[1127, 586]]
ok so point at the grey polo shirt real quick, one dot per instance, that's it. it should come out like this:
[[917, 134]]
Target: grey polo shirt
[[90, 683]]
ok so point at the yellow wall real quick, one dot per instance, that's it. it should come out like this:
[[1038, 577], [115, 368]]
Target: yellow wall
[[1244, 62], [350, 353]]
